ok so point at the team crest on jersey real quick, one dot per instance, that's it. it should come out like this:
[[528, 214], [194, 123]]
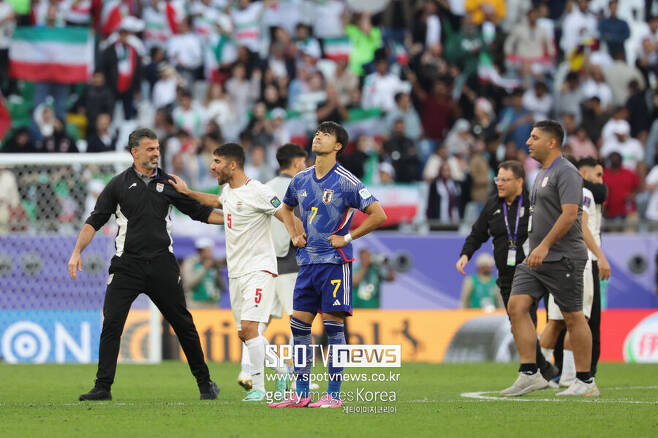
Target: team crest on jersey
[[159, 187], [238, 206], [327, 196]]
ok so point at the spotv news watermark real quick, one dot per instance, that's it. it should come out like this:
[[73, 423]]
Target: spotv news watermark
[[342, 356]]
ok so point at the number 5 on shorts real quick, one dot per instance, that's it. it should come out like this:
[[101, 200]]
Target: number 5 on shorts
[[259, 295], [336, 284]]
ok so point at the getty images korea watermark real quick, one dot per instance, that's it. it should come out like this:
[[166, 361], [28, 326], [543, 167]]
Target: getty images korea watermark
[[348, 356]]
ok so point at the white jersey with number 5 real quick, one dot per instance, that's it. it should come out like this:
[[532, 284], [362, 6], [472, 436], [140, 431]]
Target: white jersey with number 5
[[248, 212]]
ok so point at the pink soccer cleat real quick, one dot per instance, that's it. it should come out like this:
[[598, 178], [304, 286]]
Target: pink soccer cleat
[[294, 401], [327, 401]]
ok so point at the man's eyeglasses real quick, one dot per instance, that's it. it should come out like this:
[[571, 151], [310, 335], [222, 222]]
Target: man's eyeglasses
[[498, 180]]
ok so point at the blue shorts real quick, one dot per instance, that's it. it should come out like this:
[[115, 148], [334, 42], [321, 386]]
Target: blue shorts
[[324, 288]]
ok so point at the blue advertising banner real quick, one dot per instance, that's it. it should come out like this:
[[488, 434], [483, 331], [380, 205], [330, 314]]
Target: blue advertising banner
[[39, 336]]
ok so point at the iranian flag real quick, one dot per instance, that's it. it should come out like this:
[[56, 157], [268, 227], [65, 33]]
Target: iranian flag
[[337, 48], [5, 118], [111, 16], [401, 202], [365, 122], [44, 54]]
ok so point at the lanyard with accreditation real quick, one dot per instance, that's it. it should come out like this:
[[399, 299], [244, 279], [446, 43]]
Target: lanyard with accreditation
[[533, 194], [511, 252]]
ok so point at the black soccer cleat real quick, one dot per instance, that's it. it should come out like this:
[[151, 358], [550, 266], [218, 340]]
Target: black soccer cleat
[[96, 394], [212, 393], [550, 372]]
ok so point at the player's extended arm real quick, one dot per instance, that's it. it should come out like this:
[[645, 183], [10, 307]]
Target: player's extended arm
[[209, 199], [560, 228], [376, 217], [285, 215], [75, 262], [604, 266], [216, 218]]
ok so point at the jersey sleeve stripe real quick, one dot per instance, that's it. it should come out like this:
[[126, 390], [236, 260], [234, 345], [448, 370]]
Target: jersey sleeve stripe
[[347, 175], [346, 218]]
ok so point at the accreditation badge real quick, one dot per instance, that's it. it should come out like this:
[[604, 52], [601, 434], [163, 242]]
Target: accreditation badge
[[511, 257]]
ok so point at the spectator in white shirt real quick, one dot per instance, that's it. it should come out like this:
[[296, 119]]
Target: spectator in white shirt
[[538, 101], [164, 90], [629, 148], [580, 23], [596, 85], [380, 87], [184, 50]]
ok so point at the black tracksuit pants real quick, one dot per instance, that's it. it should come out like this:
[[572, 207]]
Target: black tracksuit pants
[[158, 278]]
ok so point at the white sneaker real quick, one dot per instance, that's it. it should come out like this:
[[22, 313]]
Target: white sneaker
[[524, 384], [580, 388]]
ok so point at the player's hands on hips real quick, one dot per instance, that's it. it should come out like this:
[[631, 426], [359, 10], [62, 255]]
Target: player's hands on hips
[[299, 240], [75, 265], [604, 268], [461, 264], [337, 241], [537, 256], [178, 183]]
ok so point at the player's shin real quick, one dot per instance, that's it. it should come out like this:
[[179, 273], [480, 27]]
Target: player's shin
[[303, 352], [336, 336]]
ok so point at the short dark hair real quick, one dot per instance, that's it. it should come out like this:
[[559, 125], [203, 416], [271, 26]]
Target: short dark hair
[[553, 128], [232, 151], [337, 130], [288, 152], [137, 135], [587, 162], [515, 166]]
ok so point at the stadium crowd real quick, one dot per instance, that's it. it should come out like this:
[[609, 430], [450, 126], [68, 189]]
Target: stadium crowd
[[432, 92]]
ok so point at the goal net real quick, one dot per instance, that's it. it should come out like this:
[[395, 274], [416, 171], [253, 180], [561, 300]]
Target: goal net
[[45, 316]]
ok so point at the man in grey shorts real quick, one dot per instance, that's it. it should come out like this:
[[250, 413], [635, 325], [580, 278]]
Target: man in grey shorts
[[555, 265]]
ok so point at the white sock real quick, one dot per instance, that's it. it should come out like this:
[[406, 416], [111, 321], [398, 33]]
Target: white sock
[[257, 364], [273, 357], [568, 366], [245, 360], [548, 353]]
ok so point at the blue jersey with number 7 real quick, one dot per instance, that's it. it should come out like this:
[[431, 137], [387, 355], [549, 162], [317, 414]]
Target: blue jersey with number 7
[[327, 206]]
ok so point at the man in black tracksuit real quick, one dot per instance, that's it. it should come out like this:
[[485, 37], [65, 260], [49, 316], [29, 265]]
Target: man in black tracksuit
[[505, 218], [141, 198]]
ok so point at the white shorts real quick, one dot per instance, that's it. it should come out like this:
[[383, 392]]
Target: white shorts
[[284, 290], [251, 297], [588, 296]]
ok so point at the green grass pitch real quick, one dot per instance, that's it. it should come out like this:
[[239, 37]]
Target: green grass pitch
[[162, 401]]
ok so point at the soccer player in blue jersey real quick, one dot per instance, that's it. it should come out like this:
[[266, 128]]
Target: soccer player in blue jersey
[[327, 194]]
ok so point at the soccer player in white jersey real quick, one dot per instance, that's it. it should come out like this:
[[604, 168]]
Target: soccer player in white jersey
[[292, 160], [593, 172], [248, 207], [327, 195]]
